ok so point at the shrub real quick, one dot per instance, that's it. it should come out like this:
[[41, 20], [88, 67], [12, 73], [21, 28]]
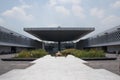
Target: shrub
[[92, 53], [38, 53], [96, 53], [67, 51], [23, 54], [31, 54]]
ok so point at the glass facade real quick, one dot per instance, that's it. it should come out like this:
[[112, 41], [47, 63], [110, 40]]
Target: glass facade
[[7, 36], [110, 37], [105, 38]]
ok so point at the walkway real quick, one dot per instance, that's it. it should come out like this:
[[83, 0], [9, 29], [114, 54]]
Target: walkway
[[59, 68]]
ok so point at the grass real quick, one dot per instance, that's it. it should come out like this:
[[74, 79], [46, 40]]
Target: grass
[[31, 54]]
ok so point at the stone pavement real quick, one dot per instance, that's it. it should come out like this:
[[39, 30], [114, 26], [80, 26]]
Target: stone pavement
[[59, 68], [6, 66], [110, 65]]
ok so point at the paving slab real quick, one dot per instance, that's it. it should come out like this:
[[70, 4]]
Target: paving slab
[[59, 68]]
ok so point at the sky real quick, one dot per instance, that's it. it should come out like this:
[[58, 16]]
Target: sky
[[100, 14]]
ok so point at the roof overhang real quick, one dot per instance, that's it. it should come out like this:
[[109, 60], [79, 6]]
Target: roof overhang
[[14, 45], [106, 44], [59, 34]]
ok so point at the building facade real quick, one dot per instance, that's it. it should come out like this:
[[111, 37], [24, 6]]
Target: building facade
[[108, 40], [11, 42]]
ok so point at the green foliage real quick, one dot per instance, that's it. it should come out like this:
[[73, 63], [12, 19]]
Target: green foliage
[[31, 54], [23, 54], [67, 51], [38, 53], [96, 53], [92, 53]]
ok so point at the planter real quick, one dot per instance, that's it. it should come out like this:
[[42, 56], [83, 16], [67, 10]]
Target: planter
[[18, 59], [103, 58]]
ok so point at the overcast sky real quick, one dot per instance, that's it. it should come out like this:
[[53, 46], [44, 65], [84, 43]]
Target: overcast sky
[[18, 14]]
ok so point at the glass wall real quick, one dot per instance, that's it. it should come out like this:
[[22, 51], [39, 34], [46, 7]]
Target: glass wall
[[105, 38], [17, 39]]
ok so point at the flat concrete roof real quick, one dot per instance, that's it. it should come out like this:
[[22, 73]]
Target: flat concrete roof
[[59, 34]]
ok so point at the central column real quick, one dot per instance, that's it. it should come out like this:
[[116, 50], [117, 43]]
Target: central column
[[43, 45], [59, 45]]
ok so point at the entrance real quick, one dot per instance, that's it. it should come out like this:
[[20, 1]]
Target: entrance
[[13, 49]]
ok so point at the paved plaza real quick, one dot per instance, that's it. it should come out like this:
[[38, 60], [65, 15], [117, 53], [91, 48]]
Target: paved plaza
[[111, 65], [59, 68], [6, 66]]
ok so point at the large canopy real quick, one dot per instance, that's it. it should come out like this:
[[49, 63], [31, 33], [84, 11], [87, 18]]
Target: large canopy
[[59, 34]]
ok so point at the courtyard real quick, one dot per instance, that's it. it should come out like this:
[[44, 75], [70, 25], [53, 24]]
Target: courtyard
[[9, 68]]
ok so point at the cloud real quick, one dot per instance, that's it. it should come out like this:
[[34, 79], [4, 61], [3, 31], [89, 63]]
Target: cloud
[[111, 20], [105, 24], [97, 12], [52, 25], [1, 21], [63, 2], [78, 11], [52, 2], [22, 2], [62, 9], [19, 13], [69, 1], [61, 6], [116, 4]]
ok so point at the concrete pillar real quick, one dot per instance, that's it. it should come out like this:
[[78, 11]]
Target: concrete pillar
[[59, 46], [43, 45], [75, 45]]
